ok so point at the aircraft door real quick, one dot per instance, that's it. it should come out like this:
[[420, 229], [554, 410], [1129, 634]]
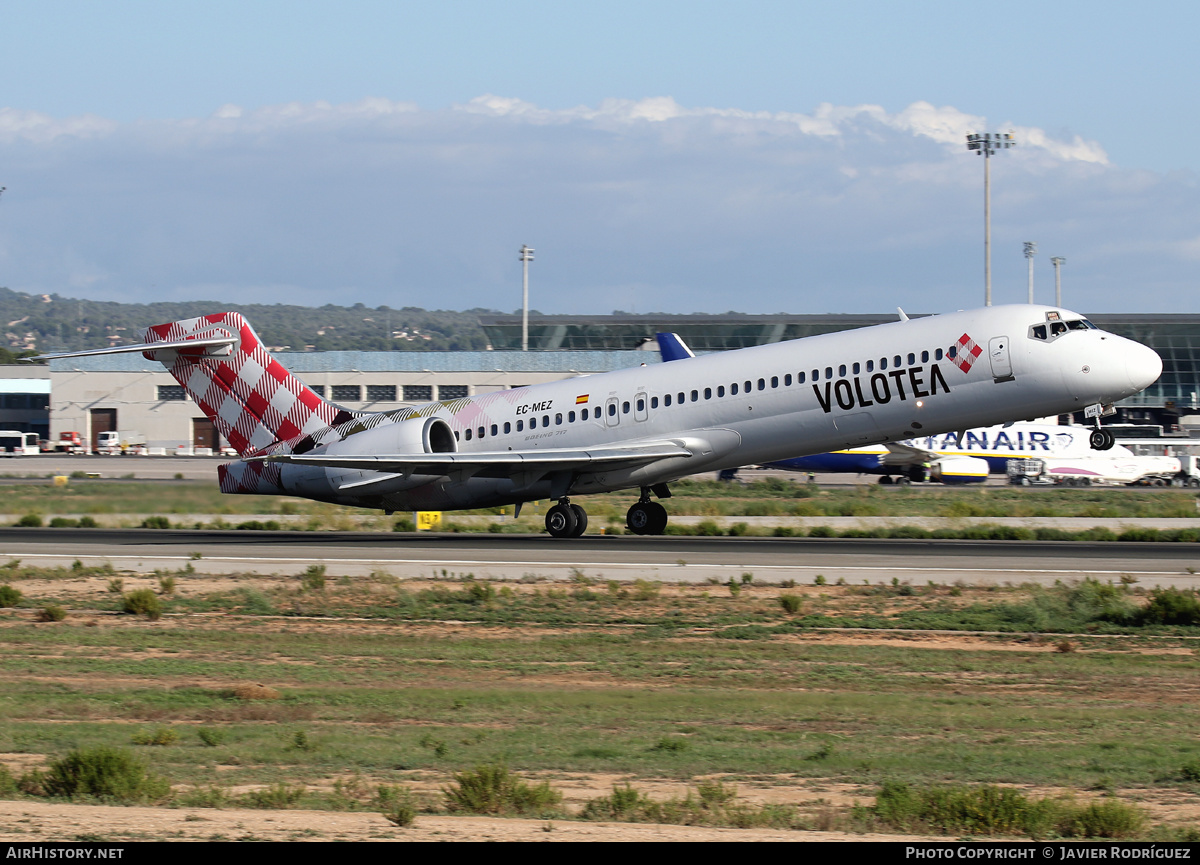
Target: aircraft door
[[640, 403], [1000, 358], [612, 412]]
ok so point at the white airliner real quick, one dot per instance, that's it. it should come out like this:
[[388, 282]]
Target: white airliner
[[954, 461], [643, 427]]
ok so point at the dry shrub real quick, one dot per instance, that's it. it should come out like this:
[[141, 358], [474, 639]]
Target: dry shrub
[[249, 692]]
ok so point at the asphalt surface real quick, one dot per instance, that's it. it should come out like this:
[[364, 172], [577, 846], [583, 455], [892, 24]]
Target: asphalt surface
[[621, 557]]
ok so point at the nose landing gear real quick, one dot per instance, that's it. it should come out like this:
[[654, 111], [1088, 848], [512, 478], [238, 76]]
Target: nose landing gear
[[1101, 439]]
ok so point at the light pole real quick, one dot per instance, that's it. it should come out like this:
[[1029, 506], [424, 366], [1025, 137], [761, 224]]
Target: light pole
[[985, 145], [1058, 261], [526, 257], [1030, 252]]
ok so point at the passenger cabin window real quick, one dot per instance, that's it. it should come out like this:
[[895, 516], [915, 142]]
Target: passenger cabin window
[[720, 390], [924, 357], [708, 393], [625, 407], [870, 366], [800, 378], [787, 380], [654, 402], [667, 399], [520, 425], [937, 355], [612, 409], [533, 423], [558, 418], [467, 433], [912, 359], [507, 427], [733, 389], [897, 361], [774, 381], [695, 396], [855, 368], [883, 363], [828, 372], [481, 432], [842, 370], [495, 430]]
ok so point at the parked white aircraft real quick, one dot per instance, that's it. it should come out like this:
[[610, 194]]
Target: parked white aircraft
[[954, 461], [646, 426]]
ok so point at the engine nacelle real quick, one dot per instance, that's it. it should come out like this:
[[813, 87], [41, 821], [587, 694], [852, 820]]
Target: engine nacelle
[[417, 435], [959, 470]]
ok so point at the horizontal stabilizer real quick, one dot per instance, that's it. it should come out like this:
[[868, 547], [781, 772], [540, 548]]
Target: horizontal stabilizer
[[206, 343]]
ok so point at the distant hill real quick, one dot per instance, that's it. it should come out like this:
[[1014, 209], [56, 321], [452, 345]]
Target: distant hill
[[38, 323]]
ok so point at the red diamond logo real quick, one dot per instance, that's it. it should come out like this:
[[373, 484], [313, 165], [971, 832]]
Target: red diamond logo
[[965, 352]]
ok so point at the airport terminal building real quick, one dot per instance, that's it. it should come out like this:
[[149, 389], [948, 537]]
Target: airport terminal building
[[128, 393]]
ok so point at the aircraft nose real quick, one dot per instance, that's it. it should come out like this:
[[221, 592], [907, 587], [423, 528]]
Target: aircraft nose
[[1142, 364]]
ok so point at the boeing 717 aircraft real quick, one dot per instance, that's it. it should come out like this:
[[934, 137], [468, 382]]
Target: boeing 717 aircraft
[[644, 427]]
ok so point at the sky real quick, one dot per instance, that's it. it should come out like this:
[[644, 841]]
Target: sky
[[679, 157]]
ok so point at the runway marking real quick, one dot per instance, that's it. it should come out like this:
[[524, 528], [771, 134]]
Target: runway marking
[[610, 565]]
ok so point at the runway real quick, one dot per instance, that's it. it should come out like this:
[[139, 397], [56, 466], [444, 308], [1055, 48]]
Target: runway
[[609, 557]]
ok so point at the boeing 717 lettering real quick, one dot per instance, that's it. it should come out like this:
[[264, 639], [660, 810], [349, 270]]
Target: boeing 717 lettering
[[644, 427]]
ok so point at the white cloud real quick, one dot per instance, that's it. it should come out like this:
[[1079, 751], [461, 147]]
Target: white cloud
[[633, 203]]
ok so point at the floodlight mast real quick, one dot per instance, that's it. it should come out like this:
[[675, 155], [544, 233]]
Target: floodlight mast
[[526, 256], [1030, 252], [1058, 261], [985, 144]]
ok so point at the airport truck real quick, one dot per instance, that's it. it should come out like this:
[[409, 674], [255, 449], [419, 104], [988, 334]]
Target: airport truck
[[1106, 471]]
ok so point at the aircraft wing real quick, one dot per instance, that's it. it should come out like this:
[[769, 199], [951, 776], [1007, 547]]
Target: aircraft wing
[[902, 454], [526, 465]]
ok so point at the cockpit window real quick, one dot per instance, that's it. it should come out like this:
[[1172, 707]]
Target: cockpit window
[[1056, 327]]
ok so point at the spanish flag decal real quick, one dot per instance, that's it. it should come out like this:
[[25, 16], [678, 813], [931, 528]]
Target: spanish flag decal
[[580, 400]]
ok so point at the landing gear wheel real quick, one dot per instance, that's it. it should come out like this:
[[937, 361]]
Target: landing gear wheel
[[580, 521], [647, 518], [1101, 440], [886, 479], [561, 521]]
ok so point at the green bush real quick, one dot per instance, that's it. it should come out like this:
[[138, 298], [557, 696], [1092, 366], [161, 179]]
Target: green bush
[[991, 810], [1171, 607], [313, 579], [103, 773], [87, 523], [276, 796], [63, 523], [211, 736], [160, 736], [791, 604], [403, 525], [398, 805], [142, 602], [30, 521], [10, 596], [708, 528], [156, 523], [492, 789], [52, 613]]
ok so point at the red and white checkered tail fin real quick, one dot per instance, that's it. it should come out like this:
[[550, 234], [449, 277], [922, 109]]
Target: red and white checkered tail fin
[[251, 399]]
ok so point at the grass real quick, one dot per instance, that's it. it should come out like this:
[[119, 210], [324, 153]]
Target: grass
[[162, 504], [283, 687]]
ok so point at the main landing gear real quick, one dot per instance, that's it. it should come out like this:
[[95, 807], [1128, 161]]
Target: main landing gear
[[647, 517], [566, 520]]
